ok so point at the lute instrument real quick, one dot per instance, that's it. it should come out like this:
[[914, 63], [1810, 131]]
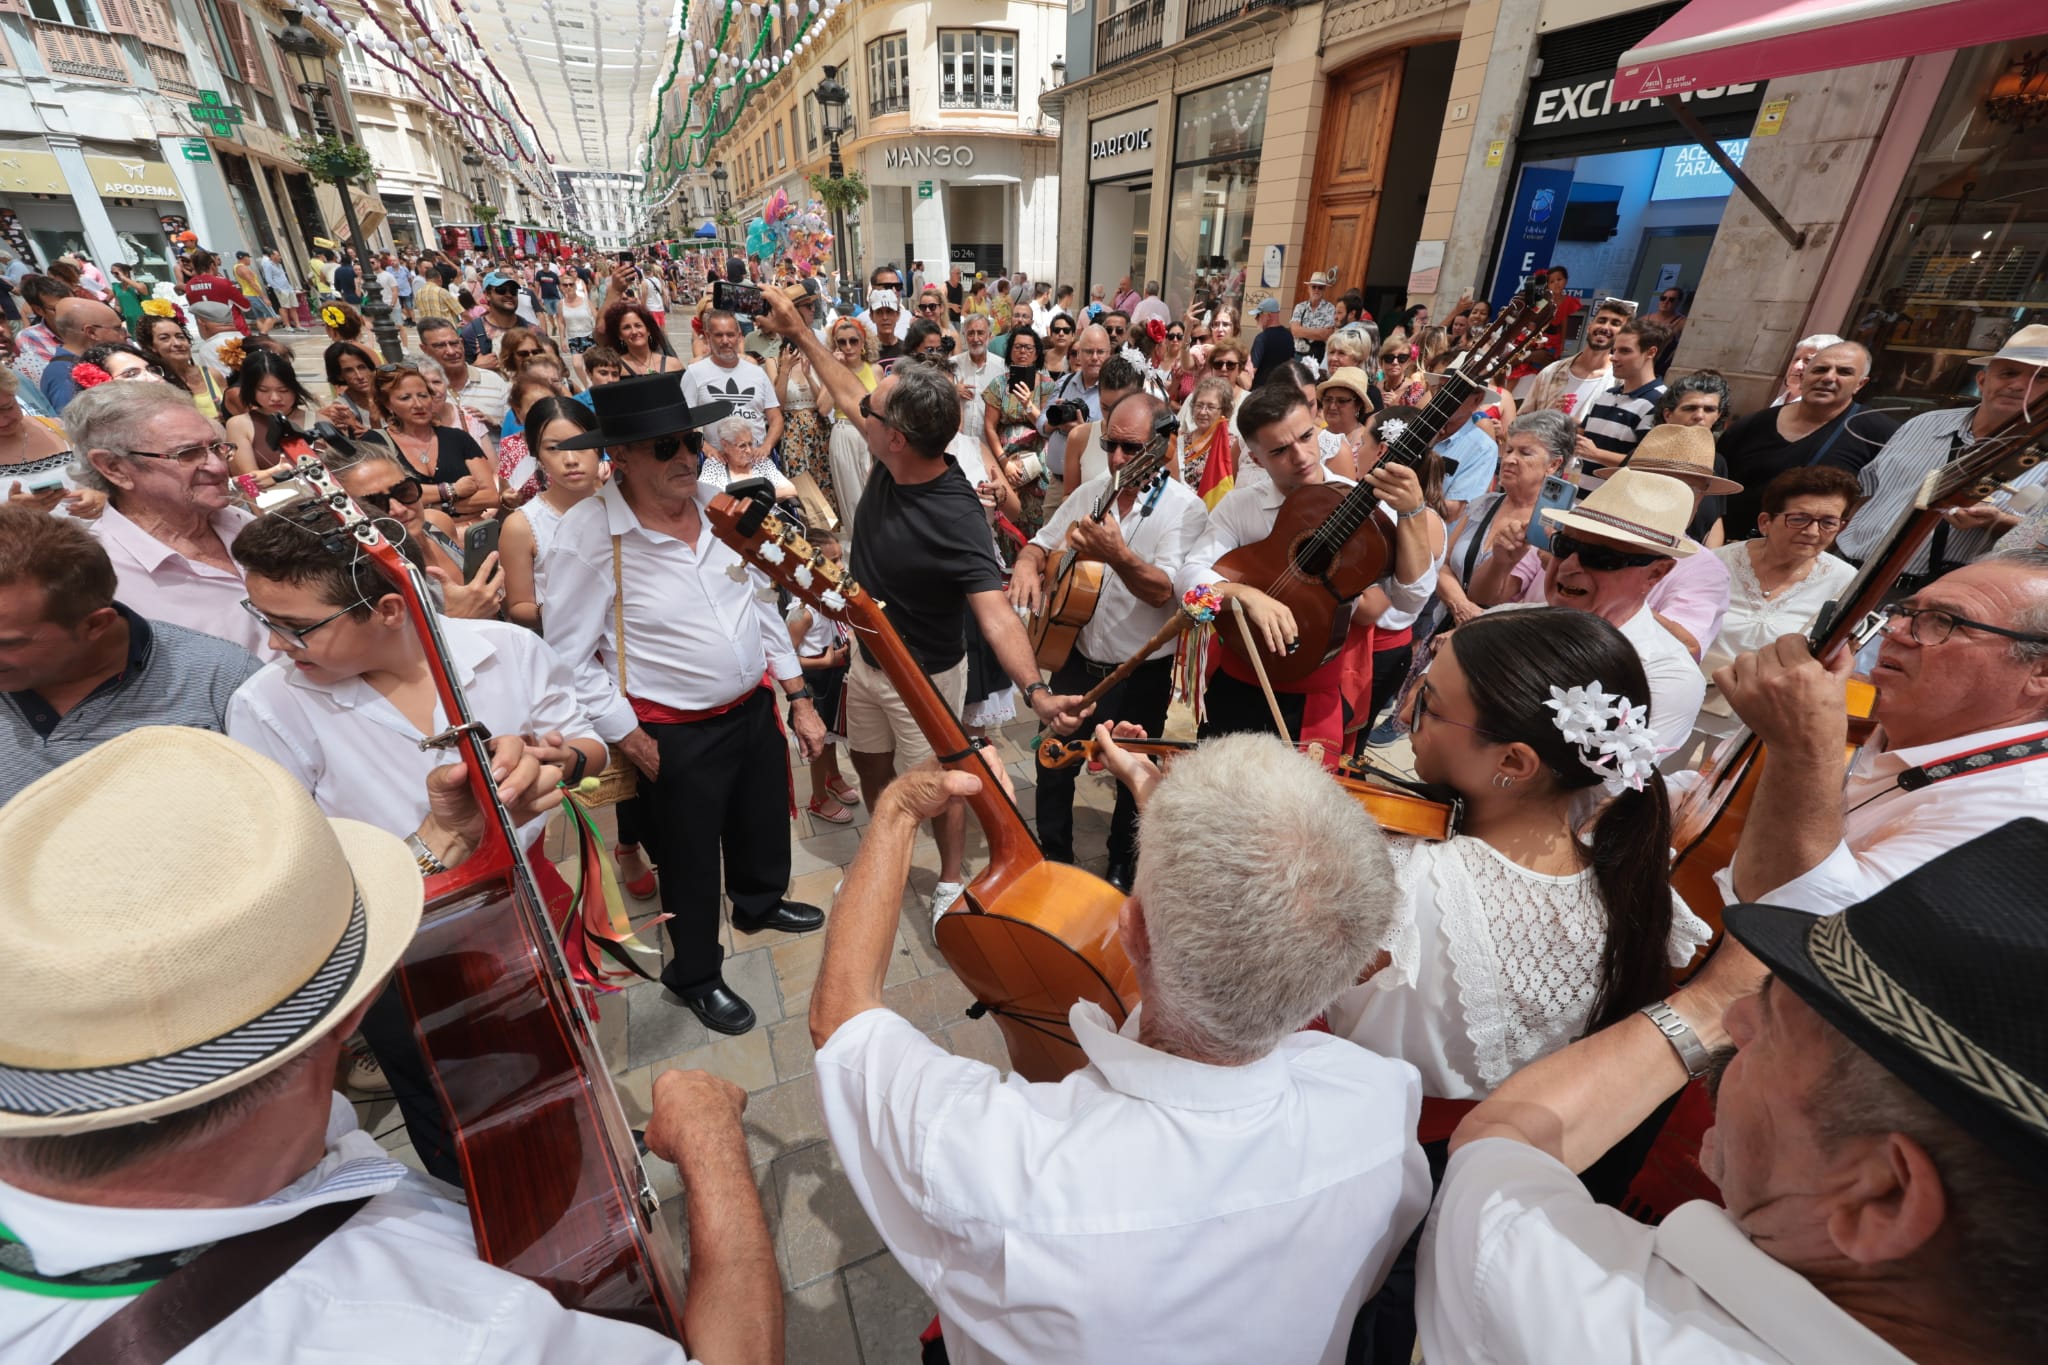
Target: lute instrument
[[1030, 937], [555, 1187], [1074, 585], [1329, 544], [1708, 823]]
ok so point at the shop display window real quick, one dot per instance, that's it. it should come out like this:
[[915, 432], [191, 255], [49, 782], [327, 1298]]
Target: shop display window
[[1215, 188]]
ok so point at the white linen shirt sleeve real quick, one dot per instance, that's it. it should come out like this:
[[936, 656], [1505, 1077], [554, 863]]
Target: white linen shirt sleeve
[[783, 663], [254, 723], [577, 612], [1413, 597], [1845, 877], [1053, 535], [550, 682], [1235, 521]]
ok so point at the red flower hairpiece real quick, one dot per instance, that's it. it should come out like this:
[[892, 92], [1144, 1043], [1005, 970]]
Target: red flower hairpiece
[[1155, 329], [697, 325], [89, 376]]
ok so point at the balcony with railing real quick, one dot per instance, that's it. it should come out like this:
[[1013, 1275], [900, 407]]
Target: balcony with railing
[[1130, 32], [69, 50], [1205, 14]]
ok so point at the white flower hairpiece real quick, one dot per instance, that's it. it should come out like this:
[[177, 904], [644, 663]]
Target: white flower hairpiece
[[1391, 429], [1610, 732]]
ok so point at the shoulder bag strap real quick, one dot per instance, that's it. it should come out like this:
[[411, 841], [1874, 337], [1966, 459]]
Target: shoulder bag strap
[[1836, 434], [619, 613], [1478, 541], [196, 1298]]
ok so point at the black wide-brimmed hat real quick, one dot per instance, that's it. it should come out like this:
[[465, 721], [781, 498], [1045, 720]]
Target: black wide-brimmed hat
[[645, 407], [1938, 977]]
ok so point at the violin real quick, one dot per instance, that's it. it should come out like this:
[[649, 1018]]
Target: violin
[[1030, 937], [1397, 805], [555, 1186]]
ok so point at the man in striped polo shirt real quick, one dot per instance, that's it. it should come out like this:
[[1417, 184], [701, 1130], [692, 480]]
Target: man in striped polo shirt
[[1622, 416]]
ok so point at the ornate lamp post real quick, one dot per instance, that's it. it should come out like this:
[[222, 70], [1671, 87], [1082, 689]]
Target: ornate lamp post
[[308, 57], [718, 179], [832, 101]]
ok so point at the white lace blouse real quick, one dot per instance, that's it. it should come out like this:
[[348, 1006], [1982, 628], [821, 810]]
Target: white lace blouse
[[1493, 966]]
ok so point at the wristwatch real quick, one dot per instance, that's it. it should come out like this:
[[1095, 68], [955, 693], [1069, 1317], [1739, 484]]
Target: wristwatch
[[1033, 690], [1691, 1052], [803, 693], [430, 863]]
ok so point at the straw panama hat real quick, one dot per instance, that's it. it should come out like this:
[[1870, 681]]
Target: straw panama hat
[[1647, 512], [180, 919], [1684, 453], [2028, 346], [1352, 380]]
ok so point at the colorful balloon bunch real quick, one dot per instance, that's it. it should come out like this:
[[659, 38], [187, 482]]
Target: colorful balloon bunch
[[803, 236]]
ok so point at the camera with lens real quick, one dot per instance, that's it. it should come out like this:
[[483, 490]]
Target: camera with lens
[[1060, 414]]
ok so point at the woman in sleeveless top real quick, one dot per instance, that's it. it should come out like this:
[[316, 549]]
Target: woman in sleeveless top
[[569, 476], [805, 448]]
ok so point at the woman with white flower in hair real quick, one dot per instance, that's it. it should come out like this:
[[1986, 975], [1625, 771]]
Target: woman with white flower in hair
[[1519, 935]]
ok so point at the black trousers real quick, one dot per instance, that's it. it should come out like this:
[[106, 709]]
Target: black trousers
[[1237, 708], [1140, 699], [722, 800]]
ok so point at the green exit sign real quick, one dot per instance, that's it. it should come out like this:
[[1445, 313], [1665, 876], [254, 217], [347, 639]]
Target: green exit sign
[[924, 189], [197, 150]]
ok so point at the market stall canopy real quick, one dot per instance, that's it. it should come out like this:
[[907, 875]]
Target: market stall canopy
[[1714, 43], [708, 231]]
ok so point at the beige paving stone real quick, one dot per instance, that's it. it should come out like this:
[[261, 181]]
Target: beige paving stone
[[822, 1224], [782, 1119], [889, 1311], [817, 1325], [789, 1043], [744, 1060], [752, 974]]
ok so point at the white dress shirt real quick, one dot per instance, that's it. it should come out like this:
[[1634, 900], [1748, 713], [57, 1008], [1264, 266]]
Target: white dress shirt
[[487, 394], [1887, 832], [157, 582], [1494, 966], [361, 758], [1147, 1207], [977, 375], [1160, 537], [1246, 514], [696, 639], [1519, 1264], [399, 1283]]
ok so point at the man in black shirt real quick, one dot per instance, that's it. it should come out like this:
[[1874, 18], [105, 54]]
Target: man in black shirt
[[1826, 426], [1274, 344], [921, 546]]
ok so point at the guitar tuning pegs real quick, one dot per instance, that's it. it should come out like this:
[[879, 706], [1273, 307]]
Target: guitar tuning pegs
[[736, 572]]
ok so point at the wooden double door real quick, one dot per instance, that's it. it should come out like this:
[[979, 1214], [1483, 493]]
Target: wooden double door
[[1350, 175]]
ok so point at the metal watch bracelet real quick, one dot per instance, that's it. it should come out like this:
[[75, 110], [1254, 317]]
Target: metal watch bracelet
[[1692, 1053]]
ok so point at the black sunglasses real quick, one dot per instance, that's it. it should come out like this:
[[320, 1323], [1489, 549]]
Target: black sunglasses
[[405, 491], [1598, 558], [1176, 336], [1062, 331], [1133, 448]]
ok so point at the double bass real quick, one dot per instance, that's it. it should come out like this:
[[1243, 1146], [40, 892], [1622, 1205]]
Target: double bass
[[555, 1186], [1030, 937], [1330, 544], [1074, 587], [1707, 824]]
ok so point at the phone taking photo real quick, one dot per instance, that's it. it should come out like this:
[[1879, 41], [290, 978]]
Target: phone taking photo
[[1559, 495], [738, 298]]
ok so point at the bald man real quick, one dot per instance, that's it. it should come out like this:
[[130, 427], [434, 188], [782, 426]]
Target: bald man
[[80, 325]]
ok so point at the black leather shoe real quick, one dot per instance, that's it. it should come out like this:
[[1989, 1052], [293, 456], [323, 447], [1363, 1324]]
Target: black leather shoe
[[1120, 873], [791, 917], [717, 1005]]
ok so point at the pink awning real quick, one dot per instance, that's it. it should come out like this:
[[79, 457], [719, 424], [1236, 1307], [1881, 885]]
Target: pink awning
[[1715, 43]]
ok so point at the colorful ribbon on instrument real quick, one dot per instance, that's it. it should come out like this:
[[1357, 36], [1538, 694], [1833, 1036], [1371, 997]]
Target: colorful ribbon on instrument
[[594, 925], [1199, 604]]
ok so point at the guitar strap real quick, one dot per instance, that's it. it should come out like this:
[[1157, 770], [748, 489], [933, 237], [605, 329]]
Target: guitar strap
[[1992, 756], [203, 1293]]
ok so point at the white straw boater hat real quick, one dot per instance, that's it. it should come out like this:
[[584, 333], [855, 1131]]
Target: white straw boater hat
[[1647, 512], [2028, 346], [180, 919]]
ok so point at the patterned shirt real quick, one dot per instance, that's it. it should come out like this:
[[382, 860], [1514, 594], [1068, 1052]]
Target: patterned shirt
[[1893, 477]]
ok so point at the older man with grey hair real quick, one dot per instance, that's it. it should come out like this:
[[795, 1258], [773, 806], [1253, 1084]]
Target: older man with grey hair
[[169, 519], [1213, 1183]]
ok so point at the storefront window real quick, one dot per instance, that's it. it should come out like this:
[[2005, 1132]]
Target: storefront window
[[1215, 184], [1966, 263]]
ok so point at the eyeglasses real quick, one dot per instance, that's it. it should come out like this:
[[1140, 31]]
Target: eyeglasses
[[1933, 626], [846, 341], [1061, 331], [928, 308], [1425, 710], [295, 636], [528, 354], [1176, 336], [1133, 448], [191, 454], [1598, 558], [1227, 366], [1114, 331], [1799, 521], [405, 491]]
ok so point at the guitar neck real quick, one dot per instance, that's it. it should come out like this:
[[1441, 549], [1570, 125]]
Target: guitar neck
[[1410, 448]]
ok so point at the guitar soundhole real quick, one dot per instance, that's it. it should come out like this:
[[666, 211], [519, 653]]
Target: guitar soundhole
[[1310, 557]]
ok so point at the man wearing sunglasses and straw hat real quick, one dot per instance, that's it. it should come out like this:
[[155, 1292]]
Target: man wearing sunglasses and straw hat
[[167, 1115], [1607, 555]]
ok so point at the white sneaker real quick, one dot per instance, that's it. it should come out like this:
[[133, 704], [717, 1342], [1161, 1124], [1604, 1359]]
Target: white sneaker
[[943, 897], [365, 1072]]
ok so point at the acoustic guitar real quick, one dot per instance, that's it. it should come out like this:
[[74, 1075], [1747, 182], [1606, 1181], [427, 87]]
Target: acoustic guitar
[[1329, 544], [1708, 823], [1030, 937], [1074, 588], [555, 1186]]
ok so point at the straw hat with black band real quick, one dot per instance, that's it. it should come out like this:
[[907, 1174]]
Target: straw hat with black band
[[1683, 452], [1641, 511], [177, 959], [1937, 977]]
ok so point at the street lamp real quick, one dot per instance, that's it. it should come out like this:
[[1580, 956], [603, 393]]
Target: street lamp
[[832, 102], [718, 178], [308, 57]]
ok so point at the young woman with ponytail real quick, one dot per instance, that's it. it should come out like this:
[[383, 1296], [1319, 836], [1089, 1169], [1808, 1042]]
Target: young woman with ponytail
[[1520, 935]]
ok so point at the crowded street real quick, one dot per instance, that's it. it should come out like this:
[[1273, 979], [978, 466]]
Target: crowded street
[[867, 683]]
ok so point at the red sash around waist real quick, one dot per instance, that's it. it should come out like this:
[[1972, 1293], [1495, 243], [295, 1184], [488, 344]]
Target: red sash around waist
[[654, 713]]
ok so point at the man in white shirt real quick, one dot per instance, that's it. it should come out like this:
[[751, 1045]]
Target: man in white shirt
[[1138, 544], [1961, 744], [727, 377], [1214, 1184], [976, 370], [484, 392], [181, 1087], [1043, 311], [1877, 1144], [1569, 386], [673, 681], [1606, 556]]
